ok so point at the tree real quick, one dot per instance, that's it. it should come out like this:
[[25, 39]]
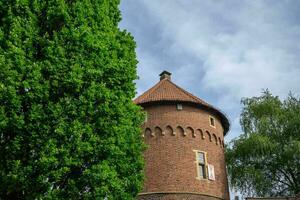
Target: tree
[[68, 126], [265, 159]]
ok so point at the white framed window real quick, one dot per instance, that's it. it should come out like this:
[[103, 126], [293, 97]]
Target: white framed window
[[212, 121], [179, 106], [205, 171], [201, 162]]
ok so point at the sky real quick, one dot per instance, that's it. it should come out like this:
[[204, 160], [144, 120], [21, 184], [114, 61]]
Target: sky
[[220, 51]]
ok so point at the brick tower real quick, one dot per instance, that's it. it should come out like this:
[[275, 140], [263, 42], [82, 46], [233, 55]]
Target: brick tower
[[185, 138]]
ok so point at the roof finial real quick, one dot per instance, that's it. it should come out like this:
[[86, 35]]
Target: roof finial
[[165, 75]]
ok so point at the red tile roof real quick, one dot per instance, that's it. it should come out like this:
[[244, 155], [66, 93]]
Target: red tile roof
[[166, 91]]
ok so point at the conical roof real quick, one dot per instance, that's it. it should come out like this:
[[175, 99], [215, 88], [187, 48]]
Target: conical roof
[[166, 91]]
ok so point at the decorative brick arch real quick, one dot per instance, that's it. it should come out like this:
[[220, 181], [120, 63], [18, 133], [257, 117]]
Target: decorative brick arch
[[180, 131], [200, 133], [158, 131], [148, 132], [190, 131], [215, 139], [220, 142], [169, 130], [209, 136]]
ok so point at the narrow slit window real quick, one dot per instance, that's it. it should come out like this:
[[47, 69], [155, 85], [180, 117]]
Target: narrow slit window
[[212, 121]]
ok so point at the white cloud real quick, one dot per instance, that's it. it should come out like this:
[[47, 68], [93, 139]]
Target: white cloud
[[219, 50], [251, 53]]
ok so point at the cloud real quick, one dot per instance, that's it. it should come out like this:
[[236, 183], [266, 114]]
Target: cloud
[[220, 51]]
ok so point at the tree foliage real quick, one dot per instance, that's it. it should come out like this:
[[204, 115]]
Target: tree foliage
[[68, 127], [265, 159]]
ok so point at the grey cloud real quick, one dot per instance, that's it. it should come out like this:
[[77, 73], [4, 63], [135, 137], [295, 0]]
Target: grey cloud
[[219, 50]]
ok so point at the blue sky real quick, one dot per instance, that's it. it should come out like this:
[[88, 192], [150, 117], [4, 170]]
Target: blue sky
[[220, 51]]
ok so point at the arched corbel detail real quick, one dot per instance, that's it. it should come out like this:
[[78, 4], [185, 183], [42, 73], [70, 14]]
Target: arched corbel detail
[[215, 138], [190, 131], [209, 136], [180, 131], [158, 131], [148, 132], [200, 133], [169, 130], [220, 142]]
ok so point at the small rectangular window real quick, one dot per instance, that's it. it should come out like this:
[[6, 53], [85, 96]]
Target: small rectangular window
[[202, 171], [212, 121], [179, 106]]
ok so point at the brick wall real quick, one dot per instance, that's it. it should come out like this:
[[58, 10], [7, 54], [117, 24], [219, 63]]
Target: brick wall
[[176, 196], [170, 157]]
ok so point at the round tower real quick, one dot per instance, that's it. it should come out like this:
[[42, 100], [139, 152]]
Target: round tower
[[185, 138]]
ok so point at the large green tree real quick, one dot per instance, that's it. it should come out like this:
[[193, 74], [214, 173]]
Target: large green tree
[[265, 159], [68, 127]]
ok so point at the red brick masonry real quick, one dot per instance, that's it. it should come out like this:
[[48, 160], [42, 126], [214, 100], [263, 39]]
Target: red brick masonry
[[172, 136], [176, 196]]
